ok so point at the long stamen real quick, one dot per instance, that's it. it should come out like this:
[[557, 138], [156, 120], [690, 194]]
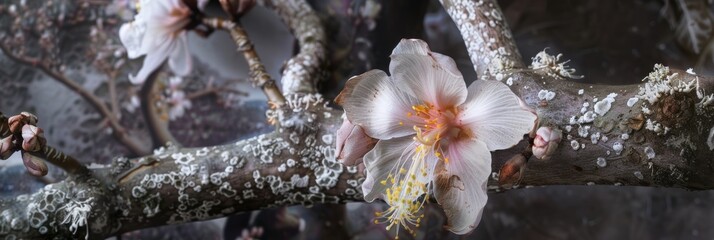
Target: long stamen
[[408, 181], [405, 193]]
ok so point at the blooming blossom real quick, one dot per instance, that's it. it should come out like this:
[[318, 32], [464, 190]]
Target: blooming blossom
[[159, 32], [177, 100], [435, 135]]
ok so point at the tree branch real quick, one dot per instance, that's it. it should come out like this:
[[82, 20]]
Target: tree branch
[[296, 163], [293, 165], [488, 39], [119, 132], [258, 75], [152, 107], [678, 158], [302, 72]]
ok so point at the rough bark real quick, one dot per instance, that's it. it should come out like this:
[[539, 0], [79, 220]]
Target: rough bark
[[296, 163]]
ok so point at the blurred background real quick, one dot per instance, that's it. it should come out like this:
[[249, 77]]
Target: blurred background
[[607, 41]]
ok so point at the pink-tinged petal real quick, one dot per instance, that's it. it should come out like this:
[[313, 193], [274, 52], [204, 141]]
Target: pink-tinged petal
[[546, 142], [376, 104], [447, 63], [131, 36], [352, 143], [460, 186], [495, 116], [34, 165], [385, 158], [411, 46], [180, 58], [152, 61], [415, 68], [419, 47]]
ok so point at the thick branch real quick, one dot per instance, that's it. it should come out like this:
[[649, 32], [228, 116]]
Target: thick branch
[[488, 39], [680, 157], [293, 165], [302, 72]]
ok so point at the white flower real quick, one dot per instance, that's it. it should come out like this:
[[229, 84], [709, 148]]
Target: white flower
[[158, 31], [178, 103], [434, 135], [177, 100]]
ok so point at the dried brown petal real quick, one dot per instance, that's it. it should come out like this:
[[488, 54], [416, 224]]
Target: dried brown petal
[[512, 171]]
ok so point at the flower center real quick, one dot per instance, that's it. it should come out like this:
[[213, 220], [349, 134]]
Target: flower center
[[409, 181], [439, 127]]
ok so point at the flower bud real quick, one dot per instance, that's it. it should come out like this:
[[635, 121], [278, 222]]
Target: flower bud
[[33, 138], [6, 148], [31, 118], [352, 143], [16, 122], [34, 165], [546, 142], [512, 171]]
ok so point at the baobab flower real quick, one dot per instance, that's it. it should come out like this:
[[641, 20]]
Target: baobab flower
[[159, 32], [435, 135]]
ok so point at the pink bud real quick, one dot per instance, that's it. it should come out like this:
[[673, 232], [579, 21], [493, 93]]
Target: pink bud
[[32, 138], [34, 165], [18, 121], [352, 143], [546, 142]]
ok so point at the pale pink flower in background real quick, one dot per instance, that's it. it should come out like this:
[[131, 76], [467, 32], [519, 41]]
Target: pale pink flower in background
[[177, 100], [435, 135], [158, 31], [178, 104]]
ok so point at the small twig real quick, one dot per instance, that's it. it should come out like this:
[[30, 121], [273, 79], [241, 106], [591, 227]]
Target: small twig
[[259, 76], [64, 161], [119, 132], [213, 90], [158, 126], [113, 99]]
